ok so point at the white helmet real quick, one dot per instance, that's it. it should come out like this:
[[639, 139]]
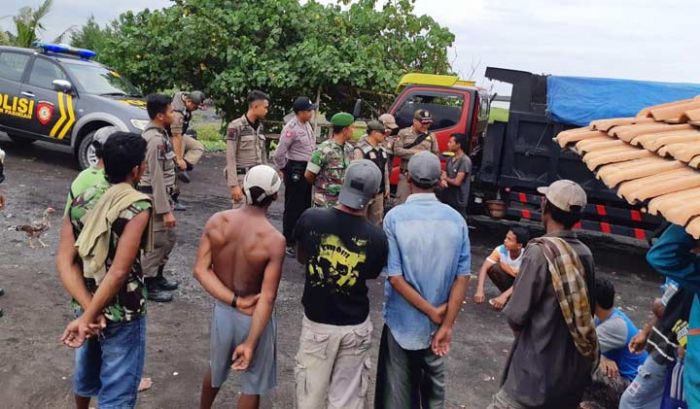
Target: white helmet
[[265, 179]]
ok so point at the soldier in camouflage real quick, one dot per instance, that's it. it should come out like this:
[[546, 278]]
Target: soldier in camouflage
[[326, 169]]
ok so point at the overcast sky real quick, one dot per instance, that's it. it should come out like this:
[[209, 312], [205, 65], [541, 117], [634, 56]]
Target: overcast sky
[[636, 39]]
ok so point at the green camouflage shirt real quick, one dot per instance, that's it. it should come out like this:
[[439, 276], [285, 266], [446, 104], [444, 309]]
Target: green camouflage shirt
[[328, 162], [130, 301]]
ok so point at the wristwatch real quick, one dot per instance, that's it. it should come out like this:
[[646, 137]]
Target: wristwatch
[[235, 300]]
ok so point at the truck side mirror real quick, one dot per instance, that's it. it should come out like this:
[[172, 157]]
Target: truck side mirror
[[62, 86], [358, 108]]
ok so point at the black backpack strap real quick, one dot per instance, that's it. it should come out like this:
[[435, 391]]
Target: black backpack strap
[[418, 141]]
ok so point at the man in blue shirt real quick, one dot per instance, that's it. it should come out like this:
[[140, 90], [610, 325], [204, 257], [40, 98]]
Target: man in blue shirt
[[618, 364], [675, 256], [428, 272]]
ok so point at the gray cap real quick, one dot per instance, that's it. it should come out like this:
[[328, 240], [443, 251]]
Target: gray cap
[[375, 126], [103, 133], [196, 97], [565, 194], [361, 184], [424, 168]]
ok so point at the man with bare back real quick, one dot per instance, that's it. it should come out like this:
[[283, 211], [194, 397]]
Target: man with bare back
[[239, 262]]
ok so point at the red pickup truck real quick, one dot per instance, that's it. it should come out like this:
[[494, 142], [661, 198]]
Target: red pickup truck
[[457, 106]]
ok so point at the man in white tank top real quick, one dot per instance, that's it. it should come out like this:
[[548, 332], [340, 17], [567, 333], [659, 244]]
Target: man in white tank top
[[502, 267]]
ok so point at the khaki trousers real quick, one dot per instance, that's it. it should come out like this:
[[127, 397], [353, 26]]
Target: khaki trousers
[[402, 189], [164, 240], [194, 149], [333, 365], [375, 212]]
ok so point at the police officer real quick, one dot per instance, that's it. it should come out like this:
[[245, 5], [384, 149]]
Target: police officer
[[371, 148], [158, 181], [188, 150], [245, 144], [410, 141], [297, 142], [326, 169]]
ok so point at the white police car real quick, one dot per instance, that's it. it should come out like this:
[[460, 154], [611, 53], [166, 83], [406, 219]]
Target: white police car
[[55, 93]]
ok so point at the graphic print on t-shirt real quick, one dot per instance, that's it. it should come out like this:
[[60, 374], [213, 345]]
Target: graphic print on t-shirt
[[335, 265]]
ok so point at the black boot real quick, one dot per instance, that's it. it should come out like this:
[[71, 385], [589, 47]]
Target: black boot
[[155, 293], [183, 175], [164, 283]]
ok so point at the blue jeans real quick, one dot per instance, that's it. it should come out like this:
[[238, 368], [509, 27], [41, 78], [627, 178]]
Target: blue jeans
[[110, 366], [647, 389]]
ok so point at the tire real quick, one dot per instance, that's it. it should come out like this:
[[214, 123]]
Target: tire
[[21, 140], [86, 152]]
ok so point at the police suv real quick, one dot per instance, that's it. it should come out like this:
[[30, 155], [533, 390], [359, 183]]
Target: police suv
[[55, 93]]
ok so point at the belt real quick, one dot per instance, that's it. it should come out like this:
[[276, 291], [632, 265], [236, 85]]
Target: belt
[[243, 171], [149, 189]]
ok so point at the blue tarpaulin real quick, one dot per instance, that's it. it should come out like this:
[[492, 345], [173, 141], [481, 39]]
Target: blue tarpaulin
[[578, 100]]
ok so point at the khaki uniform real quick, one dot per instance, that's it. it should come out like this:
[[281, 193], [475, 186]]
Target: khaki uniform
[[245, 148], [407, 137], [193, 149], [380, 156], [158, 181]]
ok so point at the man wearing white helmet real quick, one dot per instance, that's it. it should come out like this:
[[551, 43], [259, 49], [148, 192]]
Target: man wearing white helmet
[[239, 262]]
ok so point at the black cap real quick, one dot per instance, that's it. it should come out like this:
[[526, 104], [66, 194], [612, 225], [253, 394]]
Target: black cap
[[303, 104]]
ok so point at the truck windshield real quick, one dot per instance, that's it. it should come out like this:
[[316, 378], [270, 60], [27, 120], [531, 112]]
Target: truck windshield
[[99, 80], [445, 107]]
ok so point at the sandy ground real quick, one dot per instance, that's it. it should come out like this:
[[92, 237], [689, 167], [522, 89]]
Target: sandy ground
[[36, 370]]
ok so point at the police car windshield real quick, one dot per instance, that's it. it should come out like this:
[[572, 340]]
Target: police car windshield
[[99, 80]]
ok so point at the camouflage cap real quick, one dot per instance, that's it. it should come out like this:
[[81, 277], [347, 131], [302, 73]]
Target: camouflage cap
[[342, 119]]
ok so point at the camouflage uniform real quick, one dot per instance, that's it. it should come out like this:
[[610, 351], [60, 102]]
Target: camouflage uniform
[[245, 148], [407, 137], [130, 302], [328, 162]]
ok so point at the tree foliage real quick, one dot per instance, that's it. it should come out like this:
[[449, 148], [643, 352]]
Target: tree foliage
[[91, 36], [228, 47]]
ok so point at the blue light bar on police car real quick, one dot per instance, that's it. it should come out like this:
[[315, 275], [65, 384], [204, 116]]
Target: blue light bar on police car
[[66, 49]]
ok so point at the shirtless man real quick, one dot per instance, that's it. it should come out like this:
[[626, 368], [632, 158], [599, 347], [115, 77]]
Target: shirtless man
[[239, 262]]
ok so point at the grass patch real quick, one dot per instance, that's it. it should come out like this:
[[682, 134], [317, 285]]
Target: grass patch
[[210, 136], [498, 114]]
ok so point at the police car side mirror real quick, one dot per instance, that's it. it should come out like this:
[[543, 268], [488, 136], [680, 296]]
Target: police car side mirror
[[63, 86]]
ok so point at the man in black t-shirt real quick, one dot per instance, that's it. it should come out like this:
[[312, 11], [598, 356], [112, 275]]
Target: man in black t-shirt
[[341, 250]]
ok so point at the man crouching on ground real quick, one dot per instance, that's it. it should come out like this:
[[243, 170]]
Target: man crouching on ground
[[239, 262]]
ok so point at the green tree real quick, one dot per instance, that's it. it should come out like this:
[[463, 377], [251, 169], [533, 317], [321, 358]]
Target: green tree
[[91, 36], [228, 47]]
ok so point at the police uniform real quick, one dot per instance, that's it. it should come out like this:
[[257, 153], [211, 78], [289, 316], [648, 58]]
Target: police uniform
[[297, 143], [379, 155], [245, 148], [193, 149], [158, 181], [404, 149]]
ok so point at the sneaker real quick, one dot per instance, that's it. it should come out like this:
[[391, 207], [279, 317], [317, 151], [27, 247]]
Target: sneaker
[[2, 292], [291, 251], [155, 293], [165, 284], [184, 176], [179, 207]]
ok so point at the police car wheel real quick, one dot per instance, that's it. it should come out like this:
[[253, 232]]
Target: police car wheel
[[86, 152], [21, 140]]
